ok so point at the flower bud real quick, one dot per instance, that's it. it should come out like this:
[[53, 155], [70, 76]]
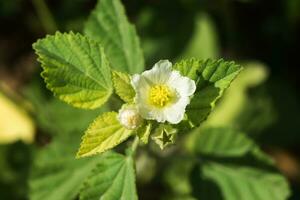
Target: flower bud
[[129, 117]]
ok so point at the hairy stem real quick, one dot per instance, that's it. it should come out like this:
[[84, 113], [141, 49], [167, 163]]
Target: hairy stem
[[45, 16]]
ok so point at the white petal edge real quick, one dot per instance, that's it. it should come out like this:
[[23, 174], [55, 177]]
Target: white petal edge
[[183, 85], [175, 113], [135, 79], [160, 73]]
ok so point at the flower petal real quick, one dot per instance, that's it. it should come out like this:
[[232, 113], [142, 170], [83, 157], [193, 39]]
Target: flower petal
[[160, 73], [163, 64], [151, 113], [183, 85], [163, 74], [175, 113], [141, 87], [135, 79]]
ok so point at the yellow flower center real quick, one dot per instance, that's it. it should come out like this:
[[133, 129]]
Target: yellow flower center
[[160, 95]]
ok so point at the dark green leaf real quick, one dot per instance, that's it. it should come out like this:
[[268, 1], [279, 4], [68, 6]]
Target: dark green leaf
[[212, 77], [216, 181]]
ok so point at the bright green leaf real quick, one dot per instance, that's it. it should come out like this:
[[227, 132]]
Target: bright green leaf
[[218, 72], [54, 116], [76, 69], [123, 86], [212, 78], [112, 179], [188, 67], [103, 134], [109, 25]]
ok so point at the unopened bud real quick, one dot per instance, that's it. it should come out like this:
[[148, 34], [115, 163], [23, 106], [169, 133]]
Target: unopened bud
[[129, 117]]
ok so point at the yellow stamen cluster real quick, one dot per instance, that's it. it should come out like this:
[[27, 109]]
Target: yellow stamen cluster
[[160, 95]]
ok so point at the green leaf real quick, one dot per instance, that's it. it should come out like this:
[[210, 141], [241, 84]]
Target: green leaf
[[202, 104], [109, 25], [76, 69], [144, 132], [225, 114], [231, 182], [218, 72], [222, 142], [103, 134], [123, 86], [188, 67], [233, 167], [112, 179], [56, 174], [54, 116], [212, 78]]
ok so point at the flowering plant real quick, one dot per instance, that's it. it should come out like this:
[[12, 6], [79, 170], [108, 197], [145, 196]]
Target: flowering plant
[[159, 125], [163, 95], [104, 68]]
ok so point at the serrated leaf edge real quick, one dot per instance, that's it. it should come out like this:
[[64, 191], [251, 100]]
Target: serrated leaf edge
[[90, 127], [43, 65]]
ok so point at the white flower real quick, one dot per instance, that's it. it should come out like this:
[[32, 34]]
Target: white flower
[[129, 117], [162, 94]]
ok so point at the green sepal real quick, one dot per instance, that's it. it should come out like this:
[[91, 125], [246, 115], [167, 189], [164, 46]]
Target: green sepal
[[164, 135], [144, 132]]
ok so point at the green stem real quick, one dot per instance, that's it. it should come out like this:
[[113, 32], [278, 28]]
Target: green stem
[[45, 16], [135, 144]]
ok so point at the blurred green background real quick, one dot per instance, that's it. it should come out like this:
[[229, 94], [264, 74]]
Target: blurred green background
[[264, 36]]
